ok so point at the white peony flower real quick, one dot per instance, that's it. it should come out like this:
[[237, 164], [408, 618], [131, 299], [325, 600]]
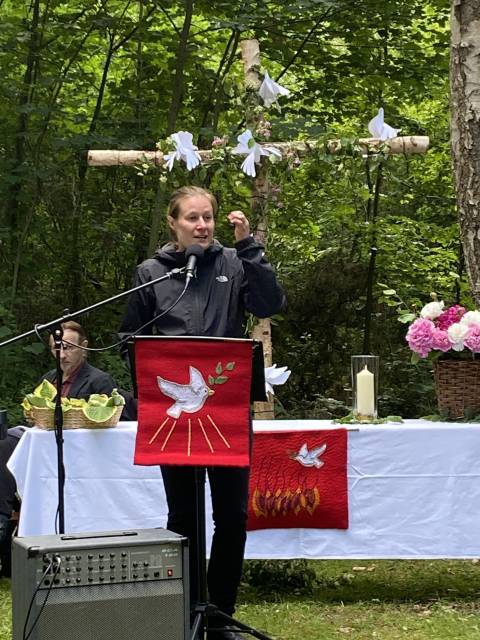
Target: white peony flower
[[432, 310], [471, 317], [457, 333], [380, 129]]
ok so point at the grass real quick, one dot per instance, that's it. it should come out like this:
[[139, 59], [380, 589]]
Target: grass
[[333, 600]]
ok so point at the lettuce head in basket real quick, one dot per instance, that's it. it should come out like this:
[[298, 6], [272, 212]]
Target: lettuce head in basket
[[98, 408]]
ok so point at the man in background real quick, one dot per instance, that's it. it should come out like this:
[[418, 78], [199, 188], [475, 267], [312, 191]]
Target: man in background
[[79, 380]]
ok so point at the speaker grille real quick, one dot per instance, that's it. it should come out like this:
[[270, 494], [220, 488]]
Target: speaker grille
[[112, 612]]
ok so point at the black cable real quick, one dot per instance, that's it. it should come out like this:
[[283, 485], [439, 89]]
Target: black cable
[[129, 337], [58, 562]]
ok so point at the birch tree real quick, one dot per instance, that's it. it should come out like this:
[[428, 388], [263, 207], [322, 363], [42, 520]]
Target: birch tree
[[465, 130]]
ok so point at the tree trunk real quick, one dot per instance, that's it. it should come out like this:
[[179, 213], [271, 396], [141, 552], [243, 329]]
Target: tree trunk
[[14, 210], [465, 130], [181, 58], [175, 105], [262, 330]]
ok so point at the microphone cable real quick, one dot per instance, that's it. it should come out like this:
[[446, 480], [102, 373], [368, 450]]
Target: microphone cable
[[55, 563], [123, 340]]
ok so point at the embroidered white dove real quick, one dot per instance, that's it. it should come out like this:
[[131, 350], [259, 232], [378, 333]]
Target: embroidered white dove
[[310, 458], [188, 397]]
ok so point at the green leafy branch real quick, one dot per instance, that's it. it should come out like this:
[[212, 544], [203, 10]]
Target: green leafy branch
[[220, 377], [351, 419]]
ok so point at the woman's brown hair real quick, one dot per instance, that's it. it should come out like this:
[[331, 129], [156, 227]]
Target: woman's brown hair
[[189, 192]]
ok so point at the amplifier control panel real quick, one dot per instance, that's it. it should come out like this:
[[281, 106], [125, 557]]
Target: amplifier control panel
[[109, 565]]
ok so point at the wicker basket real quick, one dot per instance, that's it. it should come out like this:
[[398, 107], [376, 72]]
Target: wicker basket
[[72, 419], [458, 387]]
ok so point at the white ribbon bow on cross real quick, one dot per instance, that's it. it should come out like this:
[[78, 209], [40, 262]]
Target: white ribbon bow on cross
[[184, 150], [275, 376], [380, 129], [247, 146], [270, 90]]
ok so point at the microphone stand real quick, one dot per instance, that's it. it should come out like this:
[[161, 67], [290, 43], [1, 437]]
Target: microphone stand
[[55, 327], [57, 335]]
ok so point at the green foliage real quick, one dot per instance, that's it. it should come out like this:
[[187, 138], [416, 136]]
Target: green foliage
[[77, 77], [285, 576]]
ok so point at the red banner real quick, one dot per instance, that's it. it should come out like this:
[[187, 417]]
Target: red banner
[[193, 401], [299, 479]]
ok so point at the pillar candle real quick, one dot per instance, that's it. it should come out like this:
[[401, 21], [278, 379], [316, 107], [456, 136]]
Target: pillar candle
[[365, 393]]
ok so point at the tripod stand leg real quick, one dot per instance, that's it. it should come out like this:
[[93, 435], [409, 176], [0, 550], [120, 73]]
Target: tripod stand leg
[[233, 624], [198, 626], [204, 612]]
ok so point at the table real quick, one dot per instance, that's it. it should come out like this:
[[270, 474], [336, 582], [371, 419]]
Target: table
[[414, 491]]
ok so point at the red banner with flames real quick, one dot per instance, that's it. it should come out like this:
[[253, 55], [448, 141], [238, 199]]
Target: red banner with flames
[[193, 401], [299, 479]]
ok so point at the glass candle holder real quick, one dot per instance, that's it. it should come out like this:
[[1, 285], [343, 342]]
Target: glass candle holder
[[365, 387]]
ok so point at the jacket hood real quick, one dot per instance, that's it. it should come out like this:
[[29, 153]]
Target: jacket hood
[[168, 254]]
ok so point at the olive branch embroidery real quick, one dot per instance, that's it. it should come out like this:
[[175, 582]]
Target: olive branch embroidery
[[220, 377]]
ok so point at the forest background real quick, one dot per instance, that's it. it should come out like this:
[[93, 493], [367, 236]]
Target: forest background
[[124, 74]]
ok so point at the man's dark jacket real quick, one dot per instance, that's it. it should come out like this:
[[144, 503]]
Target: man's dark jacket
[[87, 381], [90, 380]]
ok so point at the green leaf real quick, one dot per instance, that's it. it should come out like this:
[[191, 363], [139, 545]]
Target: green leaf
[[36, 348], [211, 380], [115, 400], [389, 292], [221, 380], [219, 368], [45, 390], [98, 413], [37, 401], [230, 366], [5, 331], [76, 402], [415, 359], [98, 399], [406, 317]]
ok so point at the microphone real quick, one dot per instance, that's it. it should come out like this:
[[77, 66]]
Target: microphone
[[192, 254]]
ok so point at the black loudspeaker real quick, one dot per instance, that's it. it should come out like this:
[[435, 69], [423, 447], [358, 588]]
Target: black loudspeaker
[[101, 586]]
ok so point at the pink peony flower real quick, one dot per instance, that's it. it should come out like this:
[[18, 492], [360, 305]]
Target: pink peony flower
[[440, 340], [450, 316], [420, 335], [439, 330], [472, 341]]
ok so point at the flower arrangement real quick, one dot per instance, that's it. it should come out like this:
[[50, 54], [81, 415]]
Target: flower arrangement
[[440, 329]]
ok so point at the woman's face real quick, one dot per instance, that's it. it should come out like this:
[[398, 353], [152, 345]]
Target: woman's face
[[195, 223]]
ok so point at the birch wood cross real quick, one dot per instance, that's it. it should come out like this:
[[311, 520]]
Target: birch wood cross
[[250, 52]]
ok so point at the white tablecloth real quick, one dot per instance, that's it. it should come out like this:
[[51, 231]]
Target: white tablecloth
[[414, 491]]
